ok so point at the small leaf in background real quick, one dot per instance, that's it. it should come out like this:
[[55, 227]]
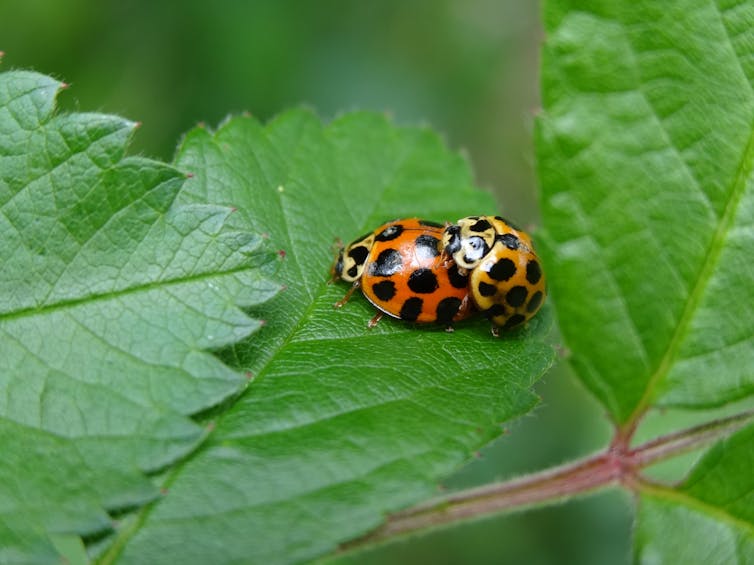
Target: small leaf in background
[[710, 517], [342, 423], [111, 297]]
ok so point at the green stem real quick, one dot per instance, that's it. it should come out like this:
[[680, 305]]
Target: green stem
[[616, 465]]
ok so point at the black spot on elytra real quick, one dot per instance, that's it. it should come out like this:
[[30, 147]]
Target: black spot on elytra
[[480, 226], [509, 240], [457, 279], [511, 224], [516, 296], [411, 309], [513, 321], [447, 309], [353, 271], [387, 264], [535, 301], [390, 233], [358, 254], [384, 290], [533, 272], [495, 310], [423, 281], [430, 224], [503, 269], [426, 247], [486, 289]]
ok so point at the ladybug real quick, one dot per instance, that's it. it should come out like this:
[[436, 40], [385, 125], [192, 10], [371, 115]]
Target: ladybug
[[400, 269], [506, 282]]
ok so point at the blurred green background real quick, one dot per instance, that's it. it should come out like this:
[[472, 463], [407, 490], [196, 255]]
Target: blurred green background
[[466, 67]]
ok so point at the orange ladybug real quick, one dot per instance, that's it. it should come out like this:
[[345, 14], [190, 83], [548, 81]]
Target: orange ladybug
[[401, 271]]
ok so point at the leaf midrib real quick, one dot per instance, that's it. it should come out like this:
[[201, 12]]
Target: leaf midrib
[[122, 539], [708, 266], [682, 498], [105, 296]]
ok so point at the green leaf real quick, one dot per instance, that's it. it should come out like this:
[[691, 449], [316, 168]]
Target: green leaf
[[111, 296], [342, 423], [710, 517], [645, 156]]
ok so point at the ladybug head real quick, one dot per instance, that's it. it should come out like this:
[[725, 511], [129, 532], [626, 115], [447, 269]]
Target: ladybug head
[[467, 247], [337, 267]]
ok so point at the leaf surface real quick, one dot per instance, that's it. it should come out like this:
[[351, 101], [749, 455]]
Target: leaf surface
[[710, 517], [342, 424], [111, 297], [645, 152]]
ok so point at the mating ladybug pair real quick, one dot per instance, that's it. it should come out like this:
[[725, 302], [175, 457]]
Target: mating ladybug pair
[[422, 271]]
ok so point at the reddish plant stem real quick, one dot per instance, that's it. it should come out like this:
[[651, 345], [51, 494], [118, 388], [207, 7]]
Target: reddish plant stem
[[617, 465], [682, 441], [585, 475]]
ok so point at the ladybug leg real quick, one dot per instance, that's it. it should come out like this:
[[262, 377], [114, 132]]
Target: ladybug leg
[[376, 318], [449, 328], [345, 299], [495, 331]]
